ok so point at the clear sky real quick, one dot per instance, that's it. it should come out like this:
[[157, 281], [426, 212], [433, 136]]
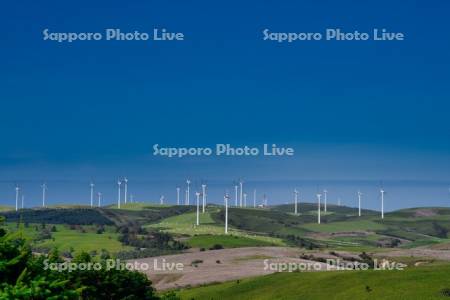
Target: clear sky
[[369, 110]]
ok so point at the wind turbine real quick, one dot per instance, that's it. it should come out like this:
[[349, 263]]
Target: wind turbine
[[119, 183], [382, 202], [203, 197], [318, 208], [241, 192], [23, 200], [236, 195], [178, 196], [92, 194], [325, 192], [126, 189], [17, 197], [264, 200], [44, 188], [295, 201], [245, 199], [197, 194], [99, 199], [188, 191], [225, 199], [254, 198], [359, 203], [161, 200]]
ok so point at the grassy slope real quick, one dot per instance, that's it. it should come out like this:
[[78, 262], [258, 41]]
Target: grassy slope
[[89, 241], [66, 238], [185, 225], [344, 226], [407, 284], [227, 241]]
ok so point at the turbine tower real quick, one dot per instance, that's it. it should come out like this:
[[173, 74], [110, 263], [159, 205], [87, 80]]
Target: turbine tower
[[161, 200], [119, 183], [44, 188], [225, 199], [92, 194], [295, 201], [188, 191], [382, 202], [359, 203], [178, 196], [17, 197], [197, 194], [203, 197], [325, 192], [245, 199], [241, 192], [99, 199], [125, 180], [254, 198], [23, 200], [318, 208], [236, 195]]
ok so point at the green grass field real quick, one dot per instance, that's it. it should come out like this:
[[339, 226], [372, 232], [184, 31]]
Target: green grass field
[[227, 241], [65, 238], [414, 283], [138, 206], [185, 225], [345, 226]]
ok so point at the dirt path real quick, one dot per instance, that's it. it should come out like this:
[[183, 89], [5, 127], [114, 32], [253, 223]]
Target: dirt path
[[218, 265]]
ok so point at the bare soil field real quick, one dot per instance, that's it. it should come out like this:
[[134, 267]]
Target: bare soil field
[[204, 267]]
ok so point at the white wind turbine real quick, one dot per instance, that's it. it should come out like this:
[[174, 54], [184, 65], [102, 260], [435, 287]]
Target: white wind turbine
[[236, 195], [359, 203], [17, 197], [99, 199], [188, 182], [325, 192], [225, 199], [197, 194], [44, 189], [245, 199], [92, 194], [125, 180], [295, 201], [318, 208], [241, 192], [161, 200], [119, 183], [203, 197], [382, 202], [23, 200], [178, 196]]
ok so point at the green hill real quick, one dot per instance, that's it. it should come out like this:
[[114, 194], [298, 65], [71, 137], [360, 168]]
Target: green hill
[[419, 283]]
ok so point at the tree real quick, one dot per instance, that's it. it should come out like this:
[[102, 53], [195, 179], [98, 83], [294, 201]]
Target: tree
[[24, 276]]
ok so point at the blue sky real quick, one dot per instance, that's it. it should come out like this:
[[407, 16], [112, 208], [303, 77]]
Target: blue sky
[[352, 110]]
